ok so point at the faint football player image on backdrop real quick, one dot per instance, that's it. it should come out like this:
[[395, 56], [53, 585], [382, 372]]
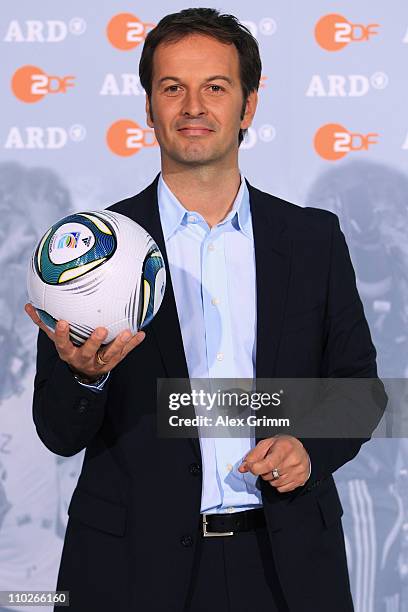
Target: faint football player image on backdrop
[[35, 484], [371, 200]]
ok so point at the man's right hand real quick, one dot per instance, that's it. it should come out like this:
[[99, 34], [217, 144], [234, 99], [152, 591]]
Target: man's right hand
[[83, 359]]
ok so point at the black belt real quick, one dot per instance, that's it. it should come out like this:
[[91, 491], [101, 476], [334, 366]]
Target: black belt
[[228, 524]]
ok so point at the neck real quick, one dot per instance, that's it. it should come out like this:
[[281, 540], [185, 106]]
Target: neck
[[210, 191]]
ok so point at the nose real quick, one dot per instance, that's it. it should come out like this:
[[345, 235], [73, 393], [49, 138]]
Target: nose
[[193, 105]]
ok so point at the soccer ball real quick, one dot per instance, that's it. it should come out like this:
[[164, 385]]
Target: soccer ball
[[96, 269]]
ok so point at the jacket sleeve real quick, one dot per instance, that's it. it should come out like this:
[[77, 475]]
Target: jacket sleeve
[[348, 353], [66, 414]]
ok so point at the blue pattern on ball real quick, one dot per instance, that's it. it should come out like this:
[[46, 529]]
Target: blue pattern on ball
[[104, 247], [151, 266]]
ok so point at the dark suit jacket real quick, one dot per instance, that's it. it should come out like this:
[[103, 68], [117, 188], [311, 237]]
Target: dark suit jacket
[[133, 517]]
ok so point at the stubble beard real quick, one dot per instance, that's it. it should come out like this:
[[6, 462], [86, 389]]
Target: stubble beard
[[194, 154]]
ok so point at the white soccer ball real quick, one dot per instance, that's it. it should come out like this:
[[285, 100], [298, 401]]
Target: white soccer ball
[[96, 269]]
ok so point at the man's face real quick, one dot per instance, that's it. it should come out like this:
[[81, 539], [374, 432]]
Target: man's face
[[197, 101]]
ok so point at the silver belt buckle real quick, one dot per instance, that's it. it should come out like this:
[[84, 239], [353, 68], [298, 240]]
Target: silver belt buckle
[[210, 534]]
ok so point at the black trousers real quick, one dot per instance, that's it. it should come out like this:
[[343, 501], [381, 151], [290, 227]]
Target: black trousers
[[235, 574]]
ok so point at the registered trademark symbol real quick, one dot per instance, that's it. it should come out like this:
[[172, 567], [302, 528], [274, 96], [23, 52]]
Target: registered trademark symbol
[[77, 132], [267, 26], [379, 80], [267, 132], [77, 26]]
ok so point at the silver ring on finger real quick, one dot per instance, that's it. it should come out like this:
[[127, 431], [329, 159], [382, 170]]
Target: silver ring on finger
[[275, 473], [99, 358]]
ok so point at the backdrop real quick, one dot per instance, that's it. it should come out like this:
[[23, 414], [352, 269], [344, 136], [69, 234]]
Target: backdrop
[[331, 131]]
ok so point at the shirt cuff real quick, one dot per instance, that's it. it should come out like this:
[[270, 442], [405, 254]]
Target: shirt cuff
[[98, 385]]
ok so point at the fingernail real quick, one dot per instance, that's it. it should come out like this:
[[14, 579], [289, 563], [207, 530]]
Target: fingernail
[[100, 334], [126, 336], [62, 325]]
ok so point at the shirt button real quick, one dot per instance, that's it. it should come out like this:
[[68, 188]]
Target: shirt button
[[229, 467], [186, 540], [230, 510], [211, 247], [215, 301], [192, 218], [220, 356]]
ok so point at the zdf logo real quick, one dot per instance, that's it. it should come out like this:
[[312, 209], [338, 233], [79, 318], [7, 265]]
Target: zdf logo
[[125, 31], [333, 141], [125, 137], [31, 84], [334, 32]]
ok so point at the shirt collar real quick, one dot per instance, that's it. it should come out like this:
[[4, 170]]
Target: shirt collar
[[172, 212]]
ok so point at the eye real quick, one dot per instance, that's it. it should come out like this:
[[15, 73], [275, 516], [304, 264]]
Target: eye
[[218, 88], [172, 89]]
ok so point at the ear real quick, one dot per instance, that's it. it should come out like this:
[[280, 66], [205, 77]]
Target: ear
[[149, 119], [250, 109]]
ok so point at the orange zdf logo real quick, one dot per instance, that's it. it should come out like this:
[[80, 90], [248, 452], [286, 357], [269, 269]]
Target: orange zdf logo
[[334, 32], [125, 137], [125, 31], [333, 141], [31, 84]]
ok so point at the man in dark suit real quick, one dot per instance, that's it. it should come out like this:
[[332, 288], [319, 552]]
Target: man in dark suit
[[163, 524]]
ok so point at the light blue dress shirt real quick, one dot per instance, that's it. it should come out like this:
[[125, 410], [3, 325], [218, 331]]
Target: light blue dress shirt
[[213, 276]]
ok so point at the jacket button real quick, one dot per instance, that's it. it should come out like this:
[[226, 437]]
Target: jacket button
[[186, 540], [83, 404], [195, 469]]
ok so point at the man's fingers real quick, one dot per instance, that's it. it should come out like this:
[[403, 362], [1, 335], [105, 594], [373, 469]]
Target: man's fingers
[[116, 350], [88, 350], [66, 349], [271, 461], [84, 358], [281, 482], [133, 342], [113, 351], [268, 476], [32, 313], [280, 455], [256, 454], [296, 476], [290, 486], [288, 464]]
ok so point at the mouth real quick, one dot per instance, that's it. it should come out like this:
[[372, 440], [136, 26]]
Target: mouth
[[196, 131]]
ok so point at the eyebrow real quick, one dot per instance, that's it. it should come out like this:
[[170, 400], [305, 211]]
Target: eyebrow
[[215, 77]]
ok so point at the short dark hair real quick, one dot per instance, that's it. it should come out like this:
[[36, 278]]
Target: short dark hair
[[208, 22]]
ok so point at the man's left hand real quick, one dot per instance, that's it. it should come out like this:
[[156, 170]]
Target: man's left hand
[[285, 453]]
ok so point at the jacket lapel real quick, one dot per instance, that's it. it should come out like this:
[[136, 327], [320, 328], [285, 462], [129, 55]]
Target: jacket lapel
[[273, 251], [272, 259]]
